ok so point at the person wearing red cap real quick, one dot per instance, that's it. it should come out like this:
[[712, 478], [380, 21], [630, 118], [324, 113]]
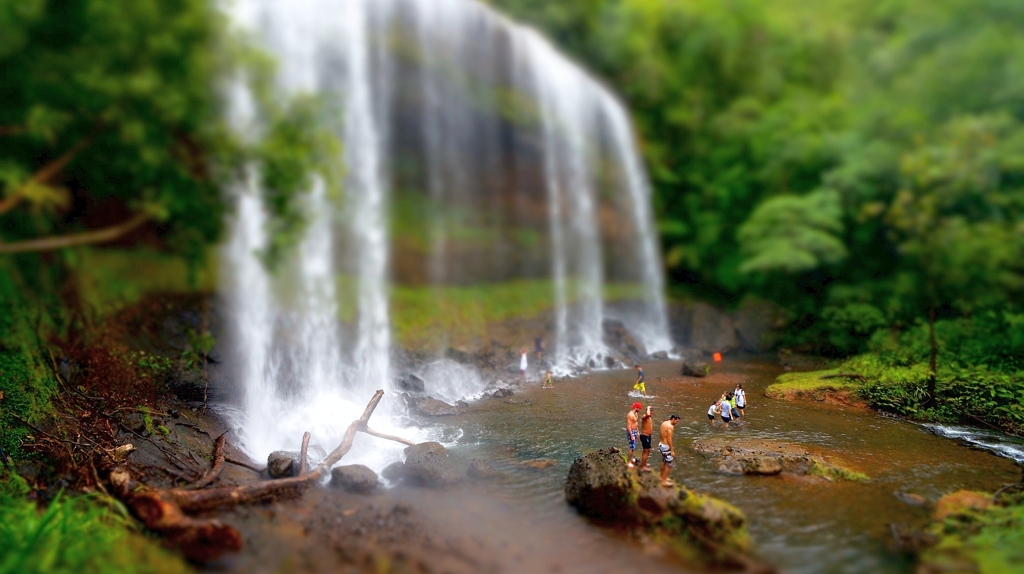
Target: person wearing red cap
[[632, 430]]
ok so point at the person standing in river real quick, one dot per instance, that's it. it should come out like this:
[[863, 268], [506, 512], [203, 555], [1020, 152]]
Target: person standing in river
[[640, 383], [522, 362], [646, 431], [632, 430], [667, 449], [538, 347], [548, 383], [741, 399]]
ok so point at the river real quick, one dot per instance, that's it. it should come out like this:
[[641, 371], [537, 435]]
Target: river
[[799, 525]]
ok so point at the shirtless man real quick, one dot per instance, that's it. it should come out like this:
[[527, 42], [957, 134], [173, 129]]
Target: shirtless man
[[646, 430], [632, 430], [668, 452]]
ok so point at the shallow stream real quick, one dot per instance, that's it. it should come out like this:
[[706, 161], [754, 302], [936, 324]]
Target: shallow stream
[[798, 525]]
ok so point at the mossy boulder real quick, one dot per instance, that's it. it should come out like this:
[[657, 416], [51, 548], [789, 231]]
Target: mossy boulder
[[601, 487], [975, 532], [829, 386], [767, 457]]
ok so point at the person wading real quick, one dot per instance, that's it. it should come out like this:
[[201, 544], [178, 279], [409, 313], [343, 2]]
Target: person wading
[[640, 384], [522, 362], [632, 430], [646, 430], [667, 450]]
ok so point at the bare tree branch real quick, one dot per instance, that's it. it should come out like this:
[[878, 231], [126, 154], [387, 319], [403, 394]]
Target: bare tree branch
[[46, 173], [54, 242]]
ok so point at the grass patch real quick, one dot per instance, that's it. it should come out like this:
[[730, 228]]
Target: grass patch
[[74, 534], [809, 383]]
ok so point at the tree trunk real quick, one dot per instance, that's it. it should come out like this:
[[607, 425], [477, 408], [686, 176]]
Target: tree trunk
[[933, 354]]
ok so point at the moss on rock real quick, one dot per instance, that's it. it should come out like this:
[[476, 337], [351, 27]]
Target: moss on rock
[[974, 534], [700, 528]]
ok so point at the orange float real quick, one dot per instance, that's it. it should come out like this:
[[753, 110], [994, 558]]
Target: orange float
[[717, 357]]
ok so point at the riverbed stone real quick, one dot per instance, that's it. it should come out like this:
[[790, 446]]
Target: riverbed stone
[[768, 457], [394, 471], [354, 478], [283, 464], [480, 469], [427, 464], [600, 486], [411, 383], [503, 393]]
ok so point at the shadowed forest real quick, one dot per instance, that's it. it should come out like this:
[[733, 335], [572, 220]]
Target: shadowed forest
[[856, 165]]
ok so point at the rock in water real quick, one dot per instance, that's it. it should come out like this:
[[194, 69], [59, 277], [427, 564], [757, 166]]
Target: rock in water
[[282, 464], [427, 464], [480, 469], [763, 456], [411, 383], [435, 408], [693, 368], [601, 487], [502, 393], [354, 478], [394, 471]]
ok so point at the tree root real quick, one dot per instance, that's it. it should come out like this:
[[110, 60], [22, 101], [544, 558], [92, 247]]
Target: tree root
[[165, 510]]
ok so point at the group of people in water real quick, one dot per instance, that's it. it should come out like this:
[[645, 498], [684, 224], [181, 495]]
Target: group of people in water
[[730, 406]]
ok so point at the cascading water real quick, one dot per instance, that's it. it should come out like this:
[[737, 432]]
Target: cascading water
[[508, 160]]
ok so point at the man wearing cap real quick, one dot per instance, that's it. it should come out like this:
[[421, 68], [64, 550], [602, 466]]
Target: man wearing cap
[[667, 450], [632, 430]]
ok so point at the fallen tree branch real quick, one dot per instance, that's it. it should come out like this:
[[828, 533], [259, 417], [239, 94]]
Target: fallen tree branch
[[44, 174], [53, 242], [243, 464], [303, 462], [218, 465], [372, 432], [164, 510]]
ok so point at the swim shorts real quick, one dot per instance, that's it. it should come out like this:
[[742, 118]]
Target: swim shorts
[[726, 419], [735, 414], [631, 437], [640, 387], [666, 453], [711, 417], [645, 441]]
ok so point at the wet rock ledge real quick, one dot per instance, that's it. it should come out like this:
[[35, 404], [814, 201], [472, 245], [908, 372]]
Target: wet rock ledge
[[702, 529], [767, 457]]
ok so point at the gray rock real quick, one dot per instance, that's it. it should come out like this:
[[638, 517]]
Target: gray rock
[[427, 464], [354, 478], [480, 469], [618, 337], [282, 464], [411, 383], [692, 368], [659, 356], [599, 486], [394, 471], [759, 324], [432, 407], [502, 393], [711, 330]]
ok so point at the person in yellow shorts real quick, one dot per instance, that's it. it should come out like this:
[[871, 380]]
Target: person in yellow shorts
[[640, 385]]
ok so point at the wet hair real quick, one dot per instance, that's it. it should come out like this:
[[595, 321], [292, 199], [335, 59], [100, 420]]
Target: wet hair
[[673, 418], [739, 385]]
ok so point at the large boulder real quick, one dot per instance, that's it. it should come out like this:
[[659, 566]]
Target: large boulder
[[711, 330], [411, 383], [434, 408], [766, 457], [601, 487], [694, 368], [759, 324], [354, 478], [427, 464], [618, 337]]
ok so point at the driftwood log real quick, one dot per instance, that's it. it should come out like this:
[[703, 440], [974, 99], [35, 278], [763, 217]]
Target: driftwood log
[[166, 510]]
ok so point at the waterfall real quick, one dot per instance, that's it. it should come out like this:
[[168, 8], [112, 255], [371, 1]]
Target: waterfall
[[475, 153]]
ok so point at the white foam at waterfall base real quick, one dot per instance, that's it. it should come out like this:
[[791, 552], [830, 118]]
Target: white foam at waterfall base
[[994, 442]]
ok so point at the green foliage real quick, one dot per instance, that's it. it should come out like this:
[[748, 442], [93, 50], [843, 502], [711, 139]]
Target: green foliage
[[200, 343], [793, 234], [81, 534]]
